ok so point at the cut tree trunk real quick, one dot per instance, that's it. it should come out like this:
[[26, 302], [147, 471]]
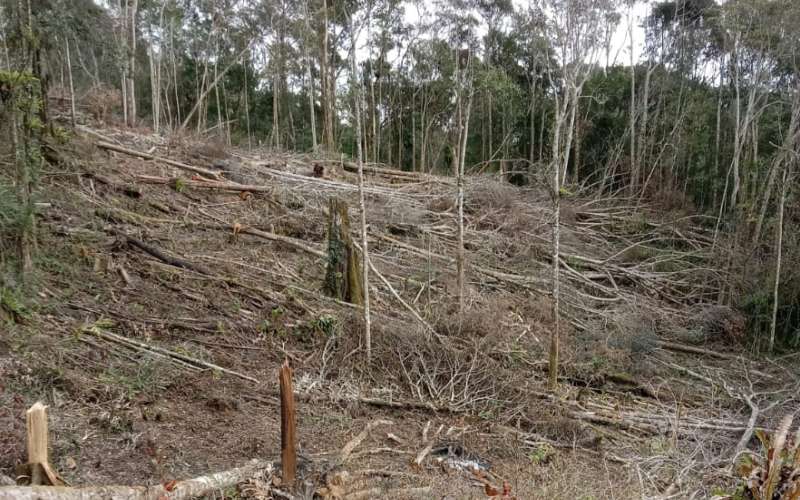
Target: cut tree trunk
[[190, 488], [343, 275], [288, 452]]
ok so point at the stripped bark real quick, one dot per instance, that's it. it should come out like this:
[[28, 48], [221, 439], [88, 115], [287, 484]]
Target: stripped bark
[[189, 488]]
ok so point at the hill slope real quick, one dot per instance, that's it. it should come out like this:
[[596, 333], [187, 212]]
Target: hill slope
[[151, 272]]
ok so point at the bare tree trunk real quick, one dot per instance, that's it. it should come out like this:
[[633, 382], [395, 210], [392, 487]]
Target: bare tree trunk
[[789, 144], [719, 123], [413, 134], [462, 152], [362, 208], [211, 87], [541, 131], [489, 124], [124, 96], [327, 84], [71, 84], [560, 114], [400, 139], [131, 73], [778, 252], [220, 123], [311, 95], [154, 92], [570, 131], [532, 152], [461, 260], [5, 52], [632, 126], [552, 382], [181, 490], [276, 135], [174, 72], [247, 104]]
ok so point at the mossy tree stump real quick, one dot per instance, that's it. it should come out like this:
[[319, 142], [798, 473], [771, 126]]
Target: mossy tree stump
[[20, 100], [343, 274]]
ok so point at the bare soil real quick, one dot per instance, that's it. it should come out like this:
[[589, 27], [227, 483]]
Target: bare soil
[[626, 422]]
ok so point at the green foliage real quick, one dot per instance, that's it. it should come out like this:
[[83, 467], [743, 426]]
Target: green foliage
[[179, 185], [325, 324], [541, 454], [12, 305]]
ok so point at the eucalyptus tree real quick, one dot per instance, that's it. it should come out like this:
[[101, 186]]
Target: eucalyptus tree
[[576, 29], [460, 24]]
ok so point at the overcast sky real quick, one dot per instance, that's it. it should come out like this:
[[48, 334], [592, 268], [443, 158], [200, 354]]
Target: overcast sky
[[620, 43]]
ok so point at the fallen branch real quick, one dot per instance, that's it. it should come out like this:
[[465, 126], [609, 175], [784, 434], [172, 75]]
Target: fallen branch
[[204, 184], [389, 172], [672, 346], [147, 156], [190, 488], [380, 403], [126, 189], [161, 255], [292, 242], [353, 443], [423, 492], [397, 296], [516, 279], [112, 337]]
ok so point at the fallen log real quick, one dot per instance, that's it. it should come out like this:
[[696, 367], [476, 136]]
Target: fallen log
[[672, 346], [147, 156], [388, 172], [351, 445], [397, 296], [197, 363], [516, 279], [189, 488], [126, 189], [288, 240], [204, 184], [161, 255]]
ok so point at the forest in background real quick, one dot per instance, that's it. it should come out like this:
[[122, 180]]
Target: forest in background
[[707, 119]]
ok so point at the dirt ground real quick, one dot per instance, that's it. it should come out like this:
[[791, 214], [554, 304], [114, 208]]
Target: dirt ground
[[634, 418]]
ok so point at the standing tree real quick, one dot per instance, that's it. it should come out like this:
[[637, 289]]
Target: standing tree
[[576, 28], [463, 86], [356, 90]]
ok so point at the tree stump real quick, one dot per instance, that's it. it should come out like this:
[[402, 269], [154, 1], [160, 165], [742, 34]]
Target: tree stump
[[343, 274], [38, 467], [288, 439]]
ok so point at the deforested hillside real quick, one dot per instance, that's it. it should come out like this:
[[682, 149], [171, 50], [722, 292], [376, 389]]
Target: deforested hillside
[[178, 275], [399, 249]]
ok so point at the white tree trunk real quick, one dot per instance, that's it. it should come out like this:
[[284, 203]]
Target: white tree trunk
[[362, 207], [71, 85], [778, 252], [189, 488]]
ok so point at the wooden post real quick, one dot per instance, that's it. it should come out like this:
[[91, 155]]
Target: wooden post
[[37, 437], [288, 452]]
